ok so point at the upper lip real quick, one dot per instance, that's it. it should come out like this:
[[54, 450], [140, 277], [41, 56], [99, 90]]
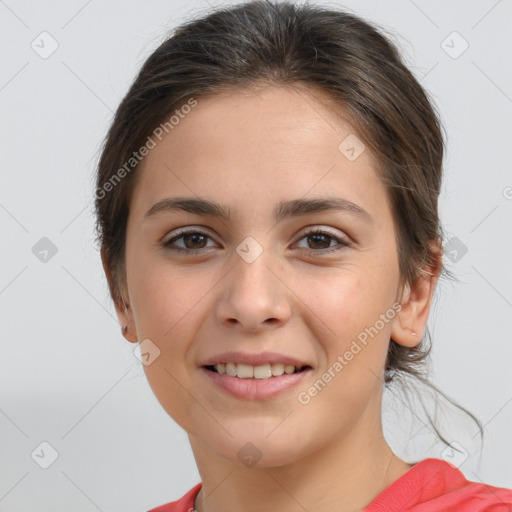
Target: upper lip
[[253, 359]]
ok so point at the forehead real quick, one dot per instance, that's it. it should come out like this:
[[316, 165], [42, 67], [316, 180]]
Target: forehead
[[270, 113], [270, 141]]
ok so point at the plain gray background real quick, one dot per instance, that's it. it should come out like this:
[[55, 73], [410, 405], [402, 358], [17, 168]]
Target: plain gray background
[[68, 377]]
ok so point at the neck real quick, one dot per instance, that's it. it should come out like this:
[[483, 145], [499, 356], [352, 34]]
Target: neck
[[347, 474]]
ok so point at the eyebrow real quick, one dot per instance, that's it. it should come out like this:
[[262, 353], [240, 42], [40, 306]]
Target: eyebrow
[[282, 210]]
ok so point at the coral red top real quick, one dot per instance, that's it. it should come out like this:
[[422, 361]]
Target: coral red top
[[431, 485]]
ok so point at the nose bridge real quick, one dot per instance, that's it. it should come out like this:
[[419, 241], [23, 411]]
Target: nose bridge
[[251, 268], [252, 277]]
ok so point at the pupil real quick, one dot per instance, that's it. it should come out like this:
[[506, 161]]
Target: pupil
[[319, 236], [194, 237], [197, 238]]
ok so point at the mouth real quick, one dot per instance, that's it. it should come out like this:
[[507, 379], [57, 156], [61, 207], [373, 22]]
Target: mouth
[[261, 372], [262, 382]]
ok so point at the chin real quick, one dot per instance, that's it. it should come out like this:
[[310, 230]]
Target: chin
[[253, 448]]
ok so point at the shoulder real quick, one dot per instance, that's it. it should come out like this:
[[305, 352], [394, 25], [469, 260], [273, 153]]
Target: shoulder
[[184, 504], [436, 485]]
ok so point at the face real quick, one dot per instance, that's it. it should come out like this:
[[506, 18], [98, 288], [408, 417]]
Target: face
[[254, 282]]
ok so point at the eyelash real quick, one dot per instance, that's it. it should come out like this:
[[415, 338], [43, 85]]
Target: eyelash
[[342, 243]]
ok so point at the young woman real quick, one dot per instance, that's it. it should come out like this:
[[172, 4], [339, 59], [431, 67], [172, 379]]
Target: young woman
[[267, 214]]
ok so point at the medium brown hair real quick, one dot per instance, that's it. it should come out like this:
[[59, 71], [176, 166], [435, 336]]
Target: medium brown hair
[[349, 59]]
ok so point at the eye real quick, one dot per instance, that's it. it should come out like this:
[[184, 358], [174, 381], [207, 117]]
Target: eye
[[318, 237], [193, 240]]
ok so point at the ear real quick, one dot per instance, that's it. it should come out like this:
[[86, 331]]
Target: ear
[[416, 299], [123, 309]]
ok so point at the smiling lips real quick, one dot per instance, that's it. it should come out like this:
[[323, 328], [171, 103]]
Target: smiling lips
[[254, 388], [247, 371], [263, 365]]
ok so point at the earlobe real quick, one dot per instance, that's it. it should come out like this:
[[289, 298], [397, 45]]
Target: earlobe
[[127, 331], [407, 328], [409, 325], [123, 310]]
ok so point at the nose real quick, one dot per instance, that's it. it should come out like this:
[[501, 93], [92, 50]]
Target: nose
[[253, 295]]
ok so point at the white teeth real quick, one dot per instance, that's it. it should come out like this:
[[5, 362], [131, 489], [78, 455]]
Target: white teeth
[[244, 371], [277, 369], [231, 369], [247, 371], [263, 371]]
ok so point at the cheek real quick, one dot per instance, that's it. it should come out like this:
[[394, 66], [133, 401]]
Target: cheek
[[164, 297], [351, 305], [338, 300], [166, 303], [348, 302]]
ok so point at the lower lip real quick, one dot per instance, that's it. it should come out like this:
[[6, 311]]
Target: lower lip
[[255, 389]]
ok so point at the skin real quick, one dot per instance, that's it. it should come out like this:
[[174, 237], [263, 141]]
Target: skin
[[248, 150]]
